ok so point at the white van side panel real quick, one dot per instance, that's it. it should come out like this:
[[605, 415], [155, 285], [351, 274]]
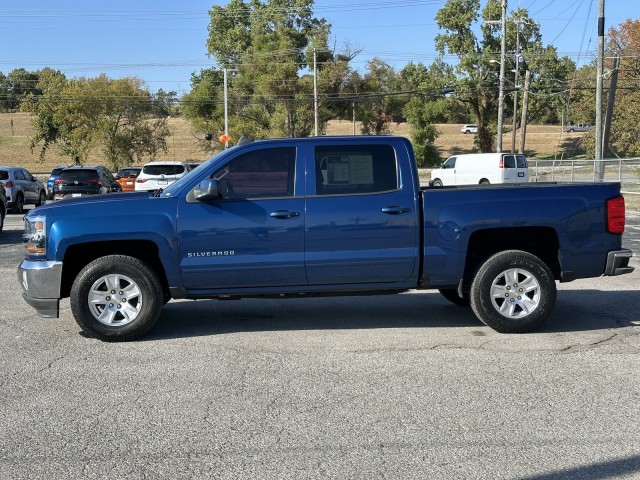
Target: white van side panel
[[474, 168]]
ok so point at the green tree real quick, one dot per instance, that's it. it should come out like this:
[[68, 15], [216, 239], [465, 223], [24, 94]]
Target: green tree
[[268, 44], [478, 57], [16, 86], [81, 114], [381, 103], [624, 42], [427, 106]]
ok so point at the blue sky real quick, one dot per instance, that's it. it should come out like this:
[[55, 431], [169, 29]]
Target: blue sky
[[163, 41]]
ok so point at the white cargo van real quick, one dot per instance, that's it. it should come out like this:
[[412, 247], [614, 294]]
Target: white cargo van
[[480, 168]]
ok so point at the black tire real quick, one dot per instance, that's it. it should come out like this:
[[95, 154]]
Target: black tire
[[124, 311], [436, 183], [451, 294], [484, 181], [42, 198], [2, 214], [18, 206], [513, 292]]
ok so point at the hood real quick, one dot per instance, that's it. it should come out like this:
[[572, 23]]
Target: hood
[[109, 200]]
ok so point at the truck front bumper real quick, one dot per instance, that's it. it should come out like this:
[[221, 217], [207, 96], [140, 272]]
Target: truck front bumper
[[618, 262], [40, 283]]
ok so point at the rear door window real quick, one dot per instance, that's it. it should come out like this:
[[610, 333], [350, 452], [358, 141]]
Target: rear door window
[[522, 161], [357, 169], [509, 161]]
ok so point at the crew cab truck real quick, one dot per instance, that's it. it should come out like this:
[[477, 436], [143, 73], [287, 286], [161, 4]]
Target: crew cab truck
[[318, 216]]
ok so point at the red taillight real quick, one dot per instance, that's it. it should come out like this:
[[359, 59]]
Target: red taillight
[[501, 165], [94, 180], [141, 180], [58, 181], [8, 184], [615, 215]]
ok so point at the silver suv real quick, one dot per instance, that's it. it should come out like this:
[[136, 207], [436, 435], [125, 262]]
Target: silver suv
[[21, 188]]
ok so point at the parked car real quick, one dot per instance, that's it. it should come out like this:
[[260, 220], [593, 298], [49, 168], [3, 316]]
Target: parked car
[[577, 127], [82, 181], [481, 168], [53, 176], [21, 188], [3, 206], [126, 177], [159, 175], [469, 128]]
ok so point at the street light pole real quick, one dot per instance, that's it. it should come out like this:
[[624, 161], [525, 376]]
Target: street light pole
[[503, 48]]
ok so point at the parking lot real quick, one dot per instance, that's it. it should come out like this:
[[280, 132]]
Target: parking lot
[[394, 387]]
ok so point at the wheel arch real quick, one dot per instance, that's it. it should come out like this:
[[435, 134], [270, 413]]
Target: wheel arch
[[79, 255], [542, 242]]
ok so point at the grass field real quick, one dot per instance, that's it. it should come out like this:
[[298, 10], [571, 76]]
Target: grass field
[[184, 144]]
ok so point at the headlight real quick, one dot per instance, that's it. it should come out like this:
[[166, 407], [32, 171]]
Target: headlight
[[35, 235]]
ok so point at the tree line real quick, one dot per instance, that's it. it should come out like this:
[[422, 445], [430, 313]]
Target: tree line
[[280, 66]]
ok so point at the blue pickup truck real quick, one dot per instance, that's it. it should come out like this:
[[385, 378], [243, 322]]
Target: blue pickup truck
[[318, 216]]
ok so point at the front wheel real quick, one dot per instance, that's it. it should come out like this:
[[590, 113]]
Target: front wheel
[[436, 183], [513, 292], [116, 298]]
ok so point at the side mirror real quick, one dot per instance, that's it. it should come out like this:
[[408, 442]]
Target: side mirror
[[207, 190]]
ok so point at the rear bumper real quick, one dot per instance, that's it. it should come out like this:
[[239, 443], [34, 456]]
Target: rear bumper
[[618, 262], [40, 283]]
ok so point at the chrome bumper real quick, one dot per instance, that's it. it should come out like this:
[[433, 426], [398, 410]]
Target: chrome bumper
[[40, 283], [618, 262]]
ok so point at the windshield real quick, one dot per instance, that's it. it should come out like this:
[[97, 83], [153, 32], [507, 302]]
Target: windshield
[[188, 178]]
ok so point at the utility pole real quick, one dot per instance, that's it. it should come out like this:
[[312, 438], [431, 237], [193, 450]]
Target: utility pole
[[525, 111], [599, 166], [226, 109], [611, 101], [315, 90], [503, 48], [514, 124]]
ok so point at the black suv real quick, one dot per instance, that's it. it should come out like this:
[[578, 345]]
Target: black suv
[[81, 181]]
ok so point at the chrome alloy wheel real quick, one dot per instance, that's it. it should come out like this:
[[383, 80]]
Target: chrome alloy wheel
[[115, 300], [515, 293]]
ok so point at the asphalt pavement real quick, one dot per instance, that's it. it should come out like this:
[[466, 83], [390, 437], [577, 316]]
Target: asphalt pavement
[[395, 387]]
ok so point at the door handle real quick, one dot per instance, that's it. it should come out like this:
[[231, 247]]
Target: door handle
[[284, 214], [395, 210]]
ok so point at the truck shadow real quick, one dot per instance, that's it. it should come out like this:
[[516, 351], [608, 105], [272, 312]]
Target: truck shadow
[[576, 311], [11, 237]]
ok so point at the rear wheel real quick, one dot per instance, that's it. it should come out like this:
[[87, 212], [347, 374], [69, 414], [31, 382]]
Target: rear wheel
[[484, 181], [436, 183], [2, 213], [116, 298], [41, 199], [513, 292], [18, 207]]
